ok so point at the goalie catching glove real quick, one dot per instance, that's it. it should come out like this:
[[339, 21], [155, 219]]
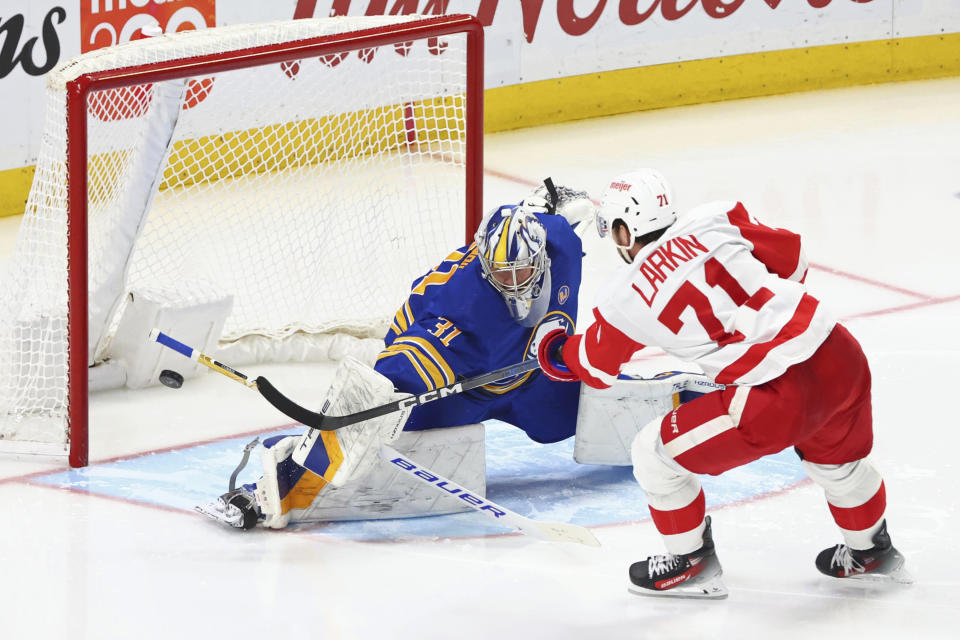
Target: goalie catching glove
[[573, 205], [296, 468]]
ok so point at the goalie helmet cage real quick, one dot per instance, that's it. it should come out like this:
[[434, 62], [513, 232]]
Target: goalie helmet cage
[[344, 153]]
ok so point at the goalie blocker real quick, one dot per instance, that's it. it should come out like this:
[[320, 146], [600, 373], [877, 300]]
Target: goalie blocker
[[338, 475]]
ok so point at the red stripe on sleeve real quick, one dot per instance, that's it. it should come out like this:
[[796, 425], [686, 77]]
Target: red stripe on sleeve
[[795, 326], [680, 520], [571, 358], [778, 249], [607, 348], [864, 516]]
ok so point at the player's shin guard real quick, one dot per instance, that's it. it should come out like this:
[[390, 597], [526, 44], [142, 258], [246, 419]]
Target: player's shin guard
[[856, 497], [881, 562], [688, 575]]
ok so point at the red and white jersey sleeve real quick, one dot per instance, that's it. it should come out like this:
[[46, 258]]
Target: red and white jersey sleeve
[[718, 289], [778, 249]]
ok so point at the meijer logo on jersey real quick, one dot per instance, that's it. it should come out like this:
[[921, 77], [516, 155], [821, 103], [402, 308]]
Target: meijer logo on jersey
[[104, 23]]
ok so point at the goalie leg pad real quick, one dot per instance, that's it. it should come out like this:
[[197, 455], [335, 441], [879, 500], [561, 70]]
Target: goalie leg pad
[[280, 476], [352, 452], [289, 493], [609, 419], [457, 453]]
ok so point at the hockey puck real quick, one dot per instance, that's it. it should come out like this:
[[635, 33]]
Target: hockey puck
[[171, 379]]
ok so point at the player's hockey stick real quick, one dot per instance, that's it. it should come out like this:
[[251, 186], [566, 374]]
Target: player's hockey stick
[[324, 422], [552, 531]]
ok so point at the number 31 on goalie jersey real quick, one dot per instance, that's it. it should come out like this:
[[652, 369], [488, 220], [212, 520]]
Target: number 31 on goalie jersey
[[445, 332]]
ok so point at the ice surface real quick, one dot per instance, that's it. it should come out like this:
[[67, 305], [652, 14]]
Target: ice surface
[[870, 176]]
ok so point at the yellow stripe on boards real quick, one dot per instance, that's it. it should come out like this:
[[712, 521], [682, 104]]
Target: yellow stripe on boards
[[436, 123], [572, 98], [337, 137], [725, 78], [14, 188]]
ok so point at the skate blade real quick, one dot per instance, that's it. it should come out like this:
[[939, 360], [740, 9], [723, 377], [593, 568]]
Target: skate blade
[[230, 517], [713, 589], [898, 574]]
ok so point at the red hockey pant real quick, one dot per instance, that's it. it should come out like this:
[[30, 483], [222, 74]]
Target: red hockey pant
[[820, 406]]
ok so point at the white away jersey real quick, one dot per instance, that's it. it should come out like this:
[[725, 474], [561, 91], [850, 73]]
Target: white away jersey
[[718, 289]]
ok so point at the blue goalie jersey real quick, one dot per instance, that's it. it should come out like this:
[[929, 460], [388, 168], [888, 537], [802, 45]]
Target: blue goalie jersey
[[455, 325]]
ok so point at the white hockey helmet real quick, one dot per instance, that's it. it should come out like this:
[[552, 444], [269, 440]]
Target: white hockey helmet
[[512, 248], [642, 200]]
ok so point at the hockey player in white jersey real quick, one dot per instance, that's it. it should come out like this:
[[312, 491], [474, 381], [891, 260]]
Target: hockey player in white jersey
[[717, 288]]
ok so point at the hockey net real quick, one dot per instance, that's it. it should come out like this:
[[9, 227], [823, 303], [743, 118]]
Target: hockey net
[[248, 187]]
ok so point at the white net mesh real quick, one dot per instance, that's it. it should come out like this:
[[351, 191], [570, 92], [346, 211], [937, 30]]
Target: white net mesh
[[313, 192]]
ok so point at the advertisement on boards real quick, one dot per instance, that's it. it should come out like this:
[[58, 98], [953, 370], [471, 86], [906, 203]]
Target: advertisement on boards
[[34, 37], [530, 40], [526, 40]]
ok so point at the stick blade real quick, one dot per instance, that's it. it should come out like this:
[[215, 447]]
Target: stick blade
[[561, 532]]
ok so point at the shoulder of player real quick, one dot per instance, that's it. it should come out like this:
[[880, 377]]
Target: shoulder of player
[[464, 292], [713, 223], [706, 213]]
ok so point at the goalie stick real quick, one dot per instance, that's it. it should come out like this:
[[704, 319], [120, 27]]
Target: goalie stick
[[325, 422], [550, 531]]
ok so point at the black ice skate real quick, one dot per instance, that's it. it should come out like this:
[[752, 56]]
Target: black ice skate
[[691, 575], [882, 563]]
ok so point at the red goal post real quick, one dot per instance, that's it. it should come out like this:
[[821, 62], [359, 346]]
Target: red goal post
[[394, 154]]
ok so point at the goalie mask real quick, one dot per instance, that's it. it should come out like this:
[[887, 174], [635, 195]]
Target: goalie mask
[[512, 247], [642, 200]]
